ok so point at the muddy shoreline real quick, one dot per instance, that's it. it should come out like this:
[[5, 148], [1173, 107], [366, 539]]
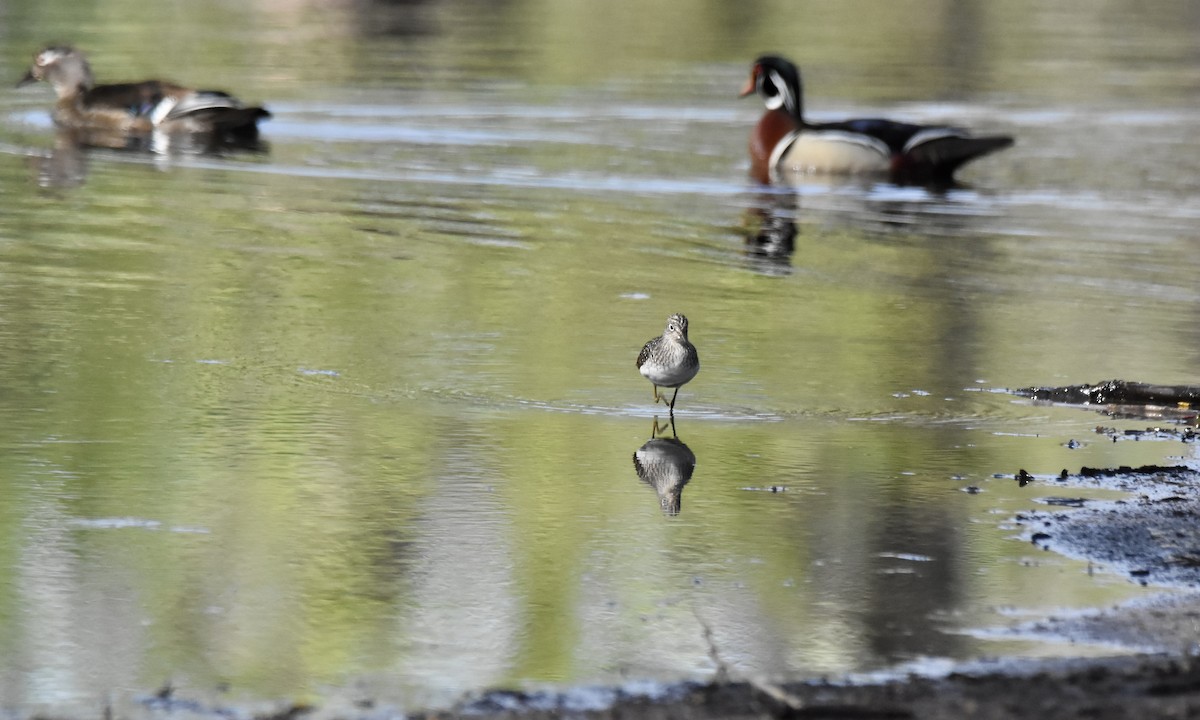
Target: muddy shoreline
[[1144, 686]]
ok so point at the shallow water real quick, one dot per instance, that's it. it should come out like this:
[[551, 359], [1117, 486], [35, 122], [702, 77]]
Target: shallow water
[[358, 415]]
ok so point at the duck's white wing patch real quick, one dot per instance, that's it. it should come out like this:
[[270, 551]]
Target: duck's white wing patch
[[931, 134], [193, 103], [162, 110]]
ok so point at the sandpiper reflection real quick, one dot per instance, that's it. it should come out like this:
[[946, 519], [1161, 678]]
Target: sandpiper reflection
[[666, 465]]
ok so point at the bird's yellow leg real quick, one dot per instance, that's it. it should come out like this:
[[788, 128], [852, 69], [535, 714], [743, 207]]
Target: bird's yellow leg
[[658, 428], [657, 398]]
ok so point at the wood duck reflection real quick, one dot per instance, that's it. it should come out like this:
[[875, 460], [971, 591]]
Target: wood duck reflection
[[65, 166], [666, 465], [770, 230]]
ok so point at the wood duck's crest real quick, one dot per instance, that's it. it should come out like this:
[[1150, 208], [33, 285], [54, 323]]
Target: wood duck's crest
[[777, 82]]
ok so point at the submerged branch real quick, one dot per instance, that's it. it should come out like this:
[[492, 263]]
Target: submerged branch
[[1117, 392]]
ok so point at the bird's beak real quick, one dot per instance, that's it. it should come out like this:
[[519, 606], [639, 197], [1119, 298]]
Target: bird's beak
[[29, 79], [748, 88]]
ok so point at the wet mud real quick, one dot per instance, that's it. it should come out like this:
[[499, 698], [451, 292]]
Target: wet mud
[[1152, 536], [1147, 686]]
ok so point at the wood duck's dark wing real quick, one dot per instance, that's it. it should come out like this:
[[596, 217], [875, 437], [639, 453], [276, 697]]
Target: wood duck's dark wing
[[137, 99], [893, 134], [936, 153]]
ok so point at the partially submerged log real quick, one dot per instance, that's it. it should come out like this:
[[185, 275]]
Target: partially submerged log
[[1117, 392]]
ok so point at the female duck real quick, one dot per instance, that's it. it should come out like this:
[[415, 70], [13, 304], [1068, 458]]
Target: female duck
[[784, 142], [137, 108]]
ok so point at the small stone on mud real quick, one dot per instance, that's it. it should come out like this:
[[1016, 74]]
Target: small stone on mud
[[1065, 501]]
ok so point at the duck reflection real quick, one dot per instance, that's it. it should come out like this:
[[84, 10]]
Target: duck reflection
[[66, 165], [770, 231], [666, 465]]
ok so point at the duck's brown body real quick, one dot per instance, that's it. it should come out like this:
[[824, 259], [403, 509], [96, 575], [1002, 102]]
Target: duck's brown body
[[138, 108]]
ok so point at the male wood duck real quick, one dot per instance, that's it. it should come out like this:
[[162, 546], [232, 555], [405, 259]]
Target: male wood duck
[[784, 142], [137, 108]]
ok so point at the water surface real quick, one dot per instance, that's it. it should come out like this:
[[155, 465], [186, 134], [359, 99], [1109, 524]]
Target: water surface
[[357, 415]]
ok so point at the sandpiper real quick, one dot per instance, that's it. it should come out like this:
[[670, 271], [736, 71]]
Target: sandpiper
[[670, 360]]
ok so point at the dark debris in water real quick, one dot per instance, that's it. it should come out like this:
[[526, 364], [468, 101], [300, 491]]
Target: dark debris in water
[[1118, 392], [1122, 477], [688, 701], [1065, 501], [166, 701], [1181, 434], [1177, 404], [1146, 470], [566, 703]]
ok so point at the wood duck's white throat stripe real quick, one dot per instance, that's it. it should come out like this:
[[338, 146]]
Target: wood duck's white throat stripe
[[783, 94]]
